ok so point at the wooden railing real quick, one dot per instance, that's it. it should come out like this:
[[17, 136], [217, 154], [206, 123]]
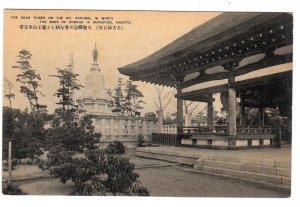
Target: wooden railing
[[194, 130], [165, 139], [220, 129], [174, 139], [255, 130], [223, 130]]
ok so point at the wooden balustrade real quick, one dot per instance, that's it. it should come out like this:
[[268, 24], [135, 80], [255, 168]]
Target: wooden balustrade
[[223, 130], [194, 130], [255, 130], [165, 139]]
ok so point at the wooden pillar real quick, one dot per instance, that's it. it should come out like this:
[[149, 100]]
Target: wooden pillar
[[210, 111], [231, 97], [231, 111], [242, 111], [179, 106]]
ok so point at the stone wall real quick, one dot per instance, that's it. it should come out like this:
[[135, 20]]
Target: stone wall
[[124, 128]]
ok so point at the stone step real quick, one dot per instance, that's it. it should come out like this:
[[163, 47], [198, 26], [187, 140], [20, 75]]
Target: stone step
[[225, 158], [260, 169], [247, 167], [284, 172], [252, 161], [169, 158], [273, 179], [267, 170], [221, 164]]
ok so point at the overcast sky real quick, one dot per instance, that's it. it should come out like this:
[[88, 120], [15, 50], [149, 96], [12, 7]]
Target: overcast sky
[[147, 33]]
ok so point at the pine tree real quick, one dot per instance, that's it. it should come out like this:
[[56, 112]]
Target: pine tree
[[118, 97], [128, 106], [133, 98], [137, 96], [68, 83], [109, 92], [29, 79]]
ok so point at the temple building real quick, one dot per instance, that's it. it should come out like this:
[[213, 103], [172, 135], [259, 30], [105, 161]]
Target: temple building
[[94, 102], [247, 58]]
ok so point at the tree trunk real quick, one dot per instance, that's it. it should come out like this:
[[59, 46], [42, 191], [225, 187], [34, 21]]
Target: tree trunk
[[10, 105]]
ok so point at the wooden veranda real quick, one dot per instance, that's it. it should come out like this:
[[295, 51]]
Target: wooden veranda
[[246, 57]]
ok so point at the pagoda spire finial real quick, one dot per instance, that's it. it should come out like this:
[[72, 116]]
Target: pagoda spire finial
[[95, 54], [95, 64]]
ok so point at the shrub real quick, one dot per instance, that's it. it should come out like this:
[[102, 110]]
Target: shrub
[[12, 190], [96, 173], [140, 141], [73, 136], [115, 147]]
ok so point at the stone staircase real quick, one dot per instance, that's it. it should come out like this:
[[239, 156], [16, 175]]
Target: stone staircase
[[260, 170]]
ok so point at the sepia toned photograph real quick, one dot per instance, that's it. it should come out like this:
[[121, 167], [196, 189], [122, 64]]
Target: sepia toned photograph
[[147, 103]]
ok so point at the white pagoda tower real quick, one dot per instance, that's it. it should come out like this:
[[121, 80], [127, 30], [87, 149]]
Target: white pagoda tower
[[94, 100]]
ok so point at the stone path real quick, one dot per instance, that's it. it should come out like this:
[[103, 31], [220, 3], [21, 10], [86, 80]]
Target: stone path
[[171, 181]]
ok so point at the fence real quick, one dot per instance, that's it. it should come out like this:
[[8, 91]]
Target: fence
[[165, 139]]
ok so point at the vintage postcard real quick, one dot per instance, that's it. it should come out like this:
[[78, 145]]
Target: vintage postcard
[[147, 103]]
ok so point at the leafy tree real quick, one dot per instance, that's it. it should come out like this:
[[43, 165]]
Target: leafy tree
[[8, 130], [8, 86], [94, 173], [115, 147], [73, 136], [121, 177], [25, 131], [274, 118], [29, 79]]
